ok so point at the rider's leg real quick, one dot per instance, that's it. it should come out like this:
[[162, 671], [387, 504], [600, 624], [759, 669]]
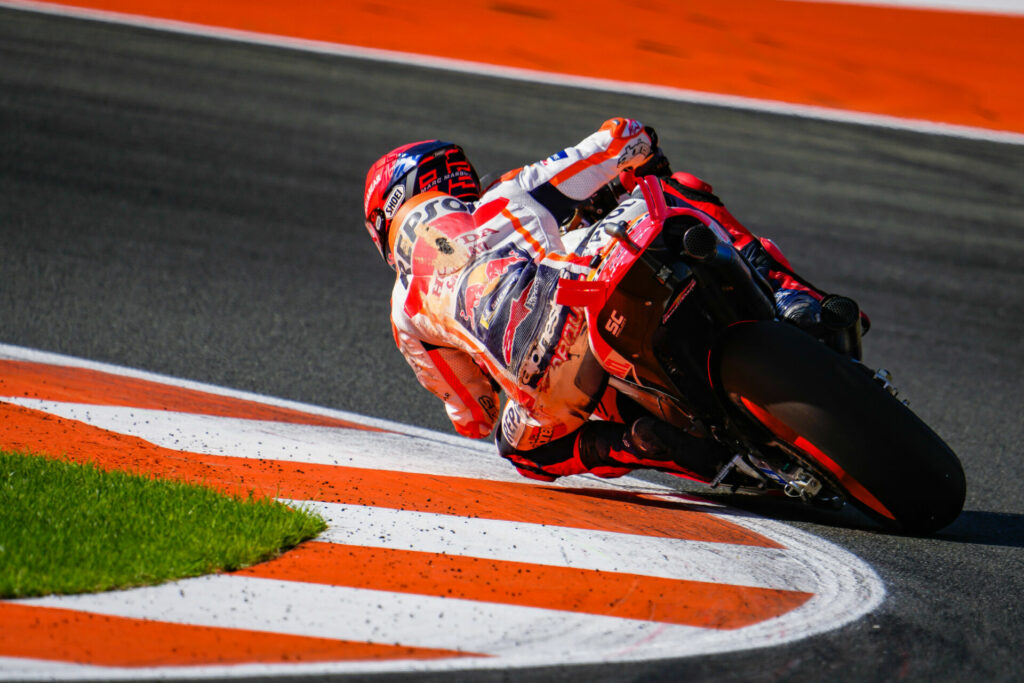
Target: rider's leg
[[611, 449], [649, 443]]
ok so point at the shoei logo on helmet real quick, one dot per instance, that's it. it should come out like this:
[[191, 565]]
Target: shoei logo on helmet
[[394, 201]]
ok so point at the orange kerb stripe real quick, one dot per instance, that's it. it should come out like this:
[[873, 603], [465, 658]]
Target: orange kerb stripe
[[628, 596], [954, 67], [65, 635], [38, 432], [80, 385]]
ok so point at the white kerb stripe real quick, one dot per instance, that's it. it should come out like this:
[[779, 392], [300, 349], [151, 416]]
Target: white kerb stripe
[[606, 551]]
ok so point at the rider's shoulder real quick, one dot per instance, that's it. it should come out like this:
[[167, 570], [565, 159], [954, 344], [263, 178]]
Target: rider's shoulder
[[495, 182], [429, 205]]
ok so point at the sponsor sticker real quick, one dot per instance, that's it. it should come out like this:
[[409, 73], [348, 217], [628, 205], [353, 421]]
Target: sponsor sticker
[[394, 201]]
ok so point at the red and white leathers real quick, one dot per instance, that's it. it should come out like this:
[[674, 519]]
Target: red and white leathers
[[473, 305], [474, 311]]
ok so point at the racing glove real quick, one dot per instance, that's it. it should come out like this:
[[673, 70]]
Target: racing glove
[[658, 164]]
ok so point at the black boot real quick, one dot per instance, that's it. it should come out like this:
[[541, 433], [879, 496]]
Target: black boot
[[659, 441], [648, 443]]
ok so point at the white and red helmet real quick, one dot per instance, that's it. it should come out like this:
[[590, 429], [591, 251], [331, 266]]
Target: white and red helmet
[[409, 170]]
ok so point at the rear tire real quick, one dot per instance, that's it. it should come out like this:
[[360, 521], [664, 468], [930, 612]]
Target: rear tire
[[828, 408]]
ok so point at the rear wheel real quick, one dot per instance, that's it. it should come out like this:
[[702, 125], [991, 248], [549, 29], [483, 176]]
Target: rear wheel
[[830, 411]]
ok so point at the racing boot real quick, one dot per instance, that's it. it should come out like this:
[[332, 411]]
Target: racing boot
[[609, 449], [799, 308]]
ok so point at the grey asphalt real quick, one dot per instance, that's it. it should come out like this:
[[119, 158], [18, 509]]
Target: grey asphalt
[[193, 207]]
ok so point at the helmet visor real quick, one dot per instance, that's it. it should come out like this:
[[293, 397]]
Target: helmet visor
[[377, 225]]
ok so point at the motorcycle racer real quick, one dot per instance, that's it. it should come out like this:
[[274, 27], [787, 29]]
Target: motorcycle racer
[[474, 307]]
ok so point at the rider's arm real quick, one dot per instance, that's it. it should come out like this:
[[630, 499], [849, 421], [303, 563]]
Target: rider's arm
[[565, 179], [452, 376]]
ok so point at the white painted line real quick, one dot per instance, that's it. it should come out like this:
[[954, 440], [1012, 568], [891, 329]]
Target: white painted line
[[971, 6], [528, 75], [244, 438], [18, 668], [411, 530], [842, 583], [519, 636], [20, 353], [370, 616], [410, 450], [606, 551], [844, 588]]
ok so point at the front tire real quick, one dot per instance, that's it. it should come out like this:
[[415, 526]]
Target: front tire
[[836, 416]]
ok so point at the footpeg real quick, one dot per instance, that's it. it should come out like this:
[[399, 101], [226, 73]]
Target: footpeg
[[884, 378]]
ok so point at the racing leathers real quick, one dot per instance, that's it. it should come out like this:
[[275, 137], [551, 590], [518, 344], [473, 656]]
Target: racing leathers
[[474, 312]]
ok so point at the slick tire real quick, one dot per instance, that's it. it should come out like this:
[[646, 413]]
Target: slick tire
[[831, 411]]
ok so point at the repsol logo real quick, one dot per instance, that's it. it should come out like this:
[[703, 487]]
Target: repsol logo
[[429, 211], [512, 424], [571, 330], [417, 223]]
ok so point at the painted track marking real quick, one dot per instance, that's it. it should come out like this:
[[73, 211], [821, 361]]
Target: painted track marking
[[422, 567], [939, 72], [100, 639]]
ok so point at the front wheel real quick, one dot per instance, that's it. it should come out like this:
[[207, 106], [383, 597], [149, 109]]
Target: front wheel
[[827, 409]]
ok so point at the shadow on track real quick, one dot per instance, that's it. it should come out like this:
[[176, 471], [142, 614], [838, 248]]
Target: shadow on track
[[978, 527], [735, 505], [974, 527]]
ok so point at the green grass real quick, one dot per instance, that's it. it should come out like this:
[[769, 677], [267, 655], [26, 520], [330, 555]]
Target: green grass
[[70, 528]]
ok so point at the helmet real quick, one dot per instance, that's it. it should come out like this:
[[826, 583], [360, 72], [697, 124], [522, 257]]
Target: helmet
[[402, 173]]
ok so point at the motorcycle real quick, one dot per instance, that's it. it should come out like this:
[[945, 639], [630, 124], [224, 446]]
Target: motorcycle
[[687, 328]]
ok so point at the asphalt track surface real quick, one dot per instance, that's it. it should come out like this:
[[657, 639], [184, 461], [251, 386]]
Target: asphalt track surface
[[192, 207]]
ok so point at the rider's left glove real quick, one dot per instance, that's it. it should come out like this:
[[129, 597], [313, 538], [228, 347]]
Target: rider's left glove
[[658, 164]]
